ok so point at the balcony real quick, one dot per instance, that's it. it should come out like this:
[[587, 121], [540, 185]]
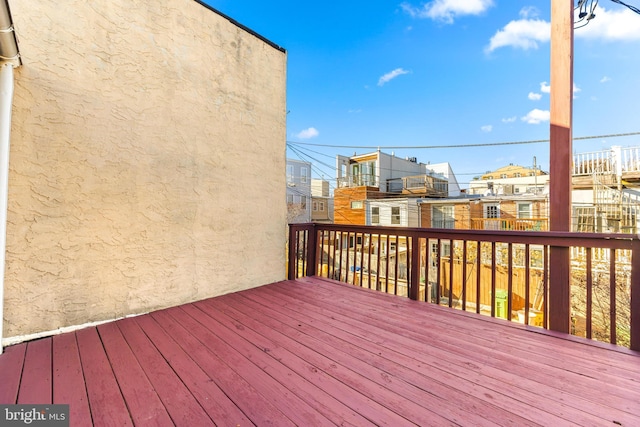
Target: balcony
[[319, 351], [427, 185], [511, 224]]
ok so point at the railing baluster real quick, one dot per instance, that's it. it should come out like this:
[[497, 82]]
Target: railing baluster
[[527, 282], [545, 287], [510, 282], [612, 297], [395, 268], [386, 269], [451, 255], [438, 271], [341, 243], [589, 294], [464, 275], [493, 279], [478, 275]]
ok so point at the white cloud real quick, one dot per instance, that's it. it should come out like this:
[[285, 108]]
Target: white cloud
[[534, 96], [611, 25], [529, 12], [391, 75], [308, 133], [605, 79], [486, 128], [526, 33], [509, 119], [447, 10], [536, 116], [545, 88], [523, 34]]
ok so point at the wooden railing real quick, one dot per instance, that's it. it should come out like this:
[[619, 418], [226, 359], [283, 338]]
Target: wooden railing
[[497, 273], [511, 224]]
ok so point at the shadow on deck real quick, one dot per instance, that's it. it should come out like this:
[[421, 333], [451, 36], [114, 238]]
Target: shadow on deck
[[317, 352]]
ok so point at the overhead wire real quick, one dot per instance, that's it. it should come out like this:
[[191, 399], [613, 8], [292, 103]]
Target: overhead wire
[[429, 147]]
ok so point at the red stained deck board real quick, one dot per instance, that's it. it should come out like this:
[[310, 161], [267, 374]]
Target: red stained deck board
[[240, 380], [442, 399], [68, 379], [417, 369], [105, 400], [463, 353], [35, 386], [265, 401], [141, 398], [296, 358], [561, 377], [11, 362], [406, 399], [183, 408], [213, 400]]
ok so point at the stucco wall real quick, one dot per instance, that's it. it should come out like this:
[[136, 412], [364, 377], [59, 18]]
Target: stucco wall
[[147, 161]]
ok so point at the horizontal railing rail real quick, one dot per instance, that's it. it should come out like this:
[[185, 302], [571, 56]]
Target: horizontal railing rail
[[502, 274]]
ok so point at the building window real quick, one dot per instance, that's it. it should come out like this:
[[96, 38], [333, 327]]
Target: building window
[[303, 202], [315, 206], [303, 174], [583, 219], [503, 175], [491, 211], [375, 215], [321, 206], [395, 215], [364, 173], [289, 199], [357, 204], [524, 210], [442, 217], [289, 173]]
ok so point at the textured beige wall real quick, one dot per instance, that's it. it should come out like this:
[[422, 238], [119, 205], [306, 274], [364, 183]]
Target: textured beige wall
[[147, 161]]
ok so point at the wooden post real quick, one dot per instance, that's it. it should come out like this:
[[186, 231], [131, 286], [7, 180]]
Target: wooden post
[[561, 99], [414, 273], [312, 249], [635, 294]]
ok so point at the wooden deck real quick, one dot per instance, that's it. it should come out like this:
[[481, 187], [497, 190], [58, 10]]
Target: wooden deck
[[314, 352]]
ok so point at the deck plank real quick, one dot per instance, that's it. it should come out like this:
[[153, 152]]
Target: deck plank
[[105, 400], [11, 363], [257, 398], [447, 400], [143, 402], [213, 399], [181, 405], [569, 399], [35, 386], [68, 379], [318, 352]]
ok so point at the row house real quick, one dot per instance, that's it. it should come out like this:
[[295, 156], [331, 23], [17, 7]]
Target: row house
[[298, 191], [378, 176], [321, 201]]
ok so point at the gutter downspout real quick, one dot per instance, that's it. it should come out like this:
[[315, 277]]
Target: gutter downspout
[[6, 100], [9, 58]]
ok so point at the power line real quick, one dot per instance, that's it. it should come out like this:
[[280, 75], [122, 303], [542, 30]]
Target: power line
[[426, 147], [633, 8]]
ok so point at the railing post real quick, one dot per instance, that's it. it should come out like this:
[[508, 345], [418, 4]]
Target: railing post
[[312, 249], [414, 279], [292, 261], [635, 294]]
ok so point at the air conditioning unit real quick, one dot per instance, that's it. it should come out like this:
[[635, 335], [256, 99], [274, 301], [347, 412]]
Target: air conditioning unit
[[507, 189]]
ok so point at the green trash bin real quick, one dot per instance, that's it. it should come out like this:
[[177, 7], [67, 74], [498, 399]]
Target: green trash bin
[[501, 303]]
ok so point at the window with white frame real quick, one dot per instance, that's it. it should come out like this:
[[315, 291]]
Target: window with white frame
[[303, 202], [289, 199], [375, 215], [442, 216], [321, 206], [290, 173], [395, 215], [524, 210], [303, 174]]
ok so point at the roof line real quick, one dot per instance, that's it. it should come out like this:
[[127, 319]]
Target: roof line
[[239, 25]]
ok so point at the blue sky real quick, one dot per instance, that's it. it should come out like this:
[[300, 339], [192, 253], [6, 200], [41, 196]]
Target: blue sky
[[444, 72]]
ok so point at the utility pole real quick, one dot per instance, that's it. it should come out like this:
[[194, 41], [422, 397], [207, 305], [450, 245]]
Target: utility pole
[[561, 159]]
